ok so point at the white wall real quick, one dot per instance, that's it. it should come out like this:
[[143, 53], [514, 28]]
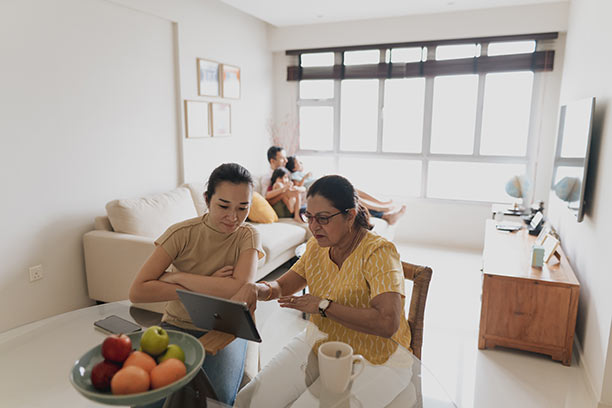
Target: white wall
[[461, 24], [91, 104], [436, 222], [587, 73]]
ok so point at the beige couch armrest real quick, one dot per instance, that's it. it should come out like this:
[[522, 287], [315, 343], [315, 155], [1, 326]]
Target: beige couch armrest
[[112, 260]]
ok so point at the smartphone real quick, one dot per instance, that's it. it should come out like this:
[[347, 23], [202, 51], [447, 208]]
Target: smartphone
[[116, 325]]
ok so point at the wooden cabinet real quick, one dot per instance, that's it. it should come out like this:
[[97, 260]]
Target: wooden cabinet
[[526, 308]]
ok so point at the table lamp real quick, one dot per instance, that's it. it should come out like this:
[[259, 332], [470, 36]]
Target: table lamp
[[517, 187]]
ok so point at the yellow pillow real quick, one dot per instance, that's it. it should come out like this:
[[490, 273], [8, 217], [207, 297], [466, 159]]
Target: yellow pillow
[[261, 211]]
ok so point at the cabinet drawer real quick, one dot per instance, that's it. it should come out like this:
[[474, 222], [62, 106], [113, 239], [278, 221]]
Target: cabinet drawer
[[526, 310]]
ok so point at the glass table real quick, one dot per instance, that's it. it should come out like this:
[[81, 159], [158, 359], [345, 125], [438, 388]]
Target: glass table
[[401, 381], [37, 358]]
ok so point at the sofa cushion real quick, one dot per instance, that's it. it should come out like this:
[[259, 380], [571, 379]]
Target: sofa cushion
[[261, 211], [150, 216], [278, 237], [197, 195]]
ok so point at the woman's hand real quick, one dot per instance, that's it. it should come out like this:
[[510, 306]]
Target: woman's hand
[[247, 294], [224, 272], [307, 303]]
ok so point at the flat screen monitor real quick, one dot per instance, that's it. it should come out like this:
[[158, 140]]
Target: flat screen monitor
[[572, 154]]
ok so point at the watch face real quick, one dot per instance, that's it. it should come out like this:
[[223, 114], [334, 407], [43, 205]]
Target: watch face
[[323, 304]]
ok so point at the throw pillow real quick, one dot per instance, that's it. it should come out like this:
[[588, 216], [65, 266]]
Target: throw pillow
[[261, 211]]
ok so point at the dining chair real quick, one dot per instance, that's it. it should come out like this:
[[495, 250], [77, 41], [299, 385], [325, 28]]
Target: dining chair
[[420, 276]]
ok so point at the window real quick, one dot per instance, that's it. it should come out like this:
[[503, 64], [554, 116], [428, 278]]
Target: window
[[505, 117], [320, 59], [316, 127], [440, 134], [403, 111], [454, 114], [359, 115]]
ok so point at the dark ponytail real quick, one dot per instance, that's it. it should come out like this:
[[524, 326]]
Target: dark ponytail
[[232, 172], [343, 196]]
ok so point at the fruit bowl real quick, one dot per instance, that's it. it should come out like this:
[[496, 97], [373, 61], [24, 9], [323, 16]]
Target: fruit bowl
[[80, 375]]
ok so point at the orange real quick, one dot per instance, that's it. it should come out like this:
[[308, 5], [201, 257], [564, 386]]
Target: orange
[[167, 372], [140, 359], [130, 380]]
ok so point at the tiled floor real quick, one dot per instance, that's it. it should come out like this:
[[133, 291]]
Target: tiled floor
[[497, 378]]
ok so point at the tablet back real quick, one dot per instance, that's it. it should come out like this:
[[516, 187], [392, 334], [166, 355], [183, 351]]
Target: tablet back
[[213, 313]]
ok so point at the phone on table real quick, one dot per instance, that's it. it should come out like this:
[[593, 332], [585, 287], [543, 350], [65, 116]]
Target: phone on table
[[116, 325]]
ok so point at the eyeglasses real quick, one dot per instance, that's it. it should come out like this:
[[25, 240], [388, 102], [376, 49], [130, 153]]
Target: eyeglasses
[[321, 219]]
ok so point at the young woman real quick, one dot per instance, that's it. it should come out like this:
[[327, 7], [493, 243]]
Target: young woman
[[215, 254], [356, 286]]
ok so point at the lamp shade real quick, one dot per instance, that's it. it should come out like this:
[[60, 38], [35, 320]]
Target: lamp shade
[[517, 186], [568, 189]]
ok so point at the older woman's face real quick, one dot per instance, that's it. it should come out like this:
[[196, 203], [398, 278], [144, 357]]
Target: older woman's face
[[336, 228]]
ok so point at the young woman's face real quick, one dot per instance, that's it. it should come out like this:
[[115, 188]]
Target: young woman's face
[[285, 179], [229, 206], [337, 227]]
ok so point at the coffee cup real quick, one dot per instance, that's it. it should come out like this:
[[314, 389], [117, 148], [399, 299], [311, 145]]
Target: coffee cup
[[336, 361]]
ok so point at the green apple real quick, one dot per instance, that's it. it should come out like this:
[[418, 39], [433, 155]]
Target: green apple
[[173, 351], [154, 341]]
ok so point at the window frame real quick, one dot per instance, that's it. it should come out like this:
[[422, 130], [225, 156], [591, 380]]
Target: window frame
[[529, 159]]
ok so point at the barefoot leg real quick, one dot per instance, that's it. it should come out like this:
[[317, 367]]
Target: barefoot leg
[[393, 216]]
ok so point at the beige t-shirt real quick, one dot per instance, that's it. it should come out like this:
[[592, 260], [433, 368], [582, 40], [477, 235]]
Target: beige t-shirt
[[196, 247]]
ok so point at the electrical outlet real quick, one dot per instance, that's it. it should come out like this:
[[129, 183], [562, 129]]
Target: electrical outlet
[[36, 273]]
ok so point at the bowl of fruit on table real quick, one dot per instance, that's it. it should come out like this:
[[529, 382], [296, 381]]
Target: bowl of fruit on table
[[138, 368]]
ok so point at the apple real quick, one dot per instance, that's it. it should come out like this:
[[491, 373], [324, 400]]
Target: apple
[[102, 373], [173, 351], [116, 348], [154, 341]]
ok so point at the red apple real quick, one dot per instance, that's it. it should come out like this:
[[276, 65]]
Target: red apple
[[102, 373], [116, 348]]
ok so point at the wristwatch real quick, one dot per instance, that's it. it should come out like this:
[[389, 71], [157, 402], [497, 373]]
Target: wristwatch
[[324, 304]]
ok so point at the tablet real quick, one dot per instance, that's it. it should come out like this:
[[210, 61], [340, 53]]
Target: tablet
[[213, 313]]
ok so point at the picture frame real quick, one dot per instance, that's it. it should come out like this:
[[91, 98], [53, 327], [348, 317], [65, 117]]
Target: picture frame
[[208, 77], [543, 233], [221, 119], [230, 81], [550, 245], [197, 119]]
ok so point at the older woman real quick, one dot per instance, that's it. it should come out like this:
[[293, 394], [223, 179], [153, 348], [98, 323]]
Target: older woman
[[356, 288]]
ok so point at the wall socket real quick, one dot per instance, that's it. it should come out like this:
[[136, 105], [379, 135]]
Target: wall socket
[[36, 273]]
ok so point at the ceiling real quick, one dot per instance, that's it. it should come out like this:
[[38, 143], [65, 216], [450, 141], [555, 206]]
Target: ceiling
[[296, 12]]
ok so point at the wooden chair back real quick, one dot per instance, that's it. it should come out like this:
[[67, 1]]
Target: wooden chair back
[[420, 276]]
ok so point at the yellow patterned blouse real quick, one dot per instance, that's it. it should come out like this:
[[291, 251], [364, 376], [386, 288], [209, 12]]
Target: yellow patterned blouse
[[374, 267]]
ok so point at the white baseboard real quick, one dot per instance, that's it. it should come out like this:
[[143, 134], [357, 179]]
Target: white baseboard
[[587, 375]]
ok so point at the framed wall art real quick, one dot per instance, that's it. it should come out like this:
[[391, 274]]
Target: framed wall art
[[197, 119], [208, 78], [221, 116], [230, 81]]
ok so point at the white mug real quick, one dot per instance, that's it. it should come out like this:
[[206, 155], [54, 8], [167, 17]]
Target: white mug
[[336, 361]]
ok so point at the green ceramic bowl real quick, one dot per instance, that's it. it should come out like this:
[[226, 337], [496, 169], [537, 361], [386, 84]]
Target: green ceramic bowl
[[80, 375]]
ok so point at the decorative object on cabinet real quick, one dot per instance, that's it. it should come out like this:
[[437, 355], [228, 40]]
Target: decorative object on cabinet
[[208, 78], [518, 187], [230, 81], [197, 122], [550, 245], [221, 119]]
